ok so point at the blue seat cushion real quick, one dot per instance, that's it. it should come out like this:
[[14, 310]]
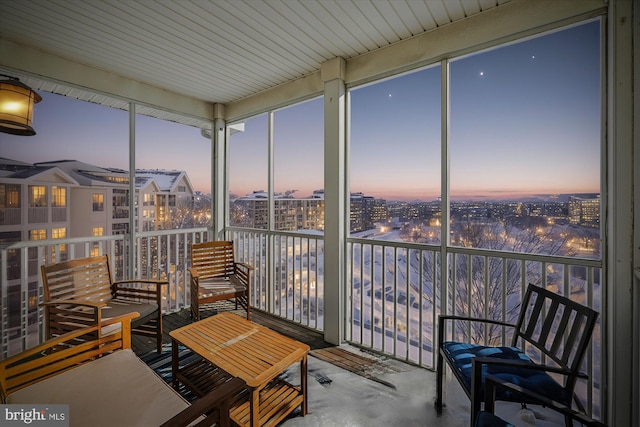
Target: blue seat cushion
[[460, 356]]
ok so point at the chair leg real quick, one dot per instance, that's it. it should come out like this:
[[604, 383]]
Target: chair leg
[[477, 386], [439, 379], [159, 334], [195, 312]]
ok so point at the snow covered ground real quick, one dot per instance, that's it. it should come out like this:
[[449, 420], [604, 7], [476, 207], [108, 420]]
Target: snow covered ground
[[350, 400]]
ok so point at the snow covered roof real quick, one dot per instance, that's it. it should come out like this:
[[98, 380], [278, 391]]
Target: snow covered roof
[[13, 169]]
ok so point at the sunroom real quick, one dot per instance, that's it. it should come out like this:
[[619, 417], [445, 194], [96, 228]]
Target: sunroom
[[377, 162]]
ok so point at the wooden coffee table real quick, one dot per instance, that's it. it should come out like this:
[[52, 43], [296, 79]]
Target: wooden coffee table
[[253, 353]]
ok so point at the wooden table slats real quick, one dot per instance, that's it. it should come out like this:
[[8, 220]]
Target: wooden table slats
[[254, 353], [276, 401]]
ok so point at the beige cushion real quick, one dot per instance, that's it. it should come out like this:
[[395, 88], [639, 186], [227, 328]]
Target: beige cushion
[[115, 308], [115, 390], [219, 286]]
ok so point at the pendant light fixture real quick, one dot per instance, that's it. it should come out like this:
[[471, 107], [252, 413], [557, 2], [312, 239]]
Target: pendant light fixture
[[16, 106]]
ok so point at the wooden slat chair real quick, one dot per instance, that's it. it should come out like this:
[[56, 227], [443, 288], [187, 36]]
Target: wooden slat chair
[[82, 292], [556, 327], [25, 375], [215, 276]]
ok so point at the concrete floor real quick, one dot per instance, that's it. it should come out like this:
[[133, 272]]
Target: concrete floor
[[402, 396], [352, 400]]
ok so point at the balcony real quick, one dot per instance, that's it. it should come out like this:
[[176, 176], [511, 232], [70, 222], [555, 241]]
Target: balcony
[[379, 297]]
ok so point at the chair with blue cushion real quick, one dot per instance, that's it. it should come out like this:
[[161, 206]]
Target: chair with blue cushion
[[550, 325]]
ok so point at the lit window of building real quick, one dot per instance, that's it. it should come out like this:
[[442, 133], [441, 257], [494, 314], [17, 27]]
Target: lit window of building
[[58, 197], [37, 196], [38, 234], [58, 233], [9, 196], [98, 202]]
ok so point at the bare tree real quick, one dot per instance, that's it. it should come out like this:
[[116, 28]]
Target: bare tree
[[490, 287], [182, 215], [485, 286]]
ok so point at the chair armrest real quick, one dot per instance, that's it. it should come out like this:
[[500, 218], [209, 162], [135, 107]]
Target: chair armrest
[[443, 317], [61, 353], [243, 265], [89, 304], [194, 273], [144, 281], [243, 274], [473, 319], [127, 292], [220, 399], [493, 382]]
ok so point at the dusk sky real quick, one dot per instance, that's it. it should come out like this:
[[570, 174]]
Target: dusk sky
[[525, 119]]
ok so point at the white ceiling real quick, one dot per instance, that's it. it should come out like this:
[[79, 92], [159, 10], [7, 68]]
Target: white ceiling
[[221, 51]]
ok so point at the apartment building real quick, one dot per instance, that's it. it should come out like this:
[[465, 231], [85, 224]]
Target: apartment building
[[73, 199], [584, 210], [290, 214]]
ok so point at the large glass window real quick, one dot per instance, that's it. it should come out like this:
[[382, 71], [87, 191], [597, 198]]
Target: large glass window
[[248, 173], [523, 168], [298, 169], [525, 146], [394, 168], [177, 158]]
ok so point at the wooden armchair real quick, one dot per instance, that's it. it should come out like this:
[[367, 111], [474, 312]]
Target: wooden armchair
[[555, 327], [104, 383], [215, 276], [82, 292]]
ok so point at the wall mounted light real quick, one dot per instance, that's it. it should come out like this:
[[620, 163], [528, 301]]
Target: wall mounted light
[[16, 107]]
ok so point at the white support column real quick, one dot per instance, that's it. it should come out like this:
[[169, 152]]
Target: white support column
[[130, 272], [335, 224], [219, 185], [620, 329], [445, 209], [635, 401]]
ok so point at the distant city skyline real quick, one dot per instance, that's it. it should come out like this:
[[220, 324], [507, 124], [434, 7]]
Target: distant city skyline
[[525, 120]]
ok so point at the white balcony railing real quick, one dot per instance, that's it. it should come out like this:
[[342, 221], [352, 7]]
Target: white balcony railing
[[159, 254], [296, 263], [395, 290]]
